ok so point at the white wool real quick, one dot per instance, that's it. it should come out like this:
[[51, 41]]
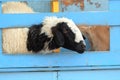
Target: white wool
[[16, 7], [50, 22], [14, 40]]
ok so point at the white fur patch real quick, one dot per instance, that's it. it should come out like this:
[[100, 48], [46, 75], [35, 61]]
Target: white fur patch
[[16, 7], [50, 22], [14, 40]]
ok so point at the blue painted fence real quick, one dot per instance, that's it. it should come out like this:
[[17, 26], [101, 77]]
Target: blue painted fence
[[67, 65]]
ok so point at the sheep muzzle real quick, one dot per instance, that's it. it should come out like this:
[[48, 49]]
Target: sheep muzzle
[[81, 47]]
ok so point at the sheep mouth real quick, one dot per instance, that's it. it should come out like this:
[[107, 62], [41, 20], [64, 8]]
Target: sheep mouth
[[81, 47], [81, 51]]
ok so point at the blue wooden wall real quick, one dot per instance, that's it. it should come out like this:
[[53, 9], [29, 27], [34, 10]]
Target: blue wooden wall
[[67, 65]]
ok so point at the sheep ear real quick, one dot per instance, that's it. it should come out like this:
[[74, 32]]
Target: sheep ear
[[58, 37]]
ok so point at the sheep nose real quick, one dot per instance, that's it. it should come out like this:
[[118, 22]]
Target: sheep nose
[[81, 47]]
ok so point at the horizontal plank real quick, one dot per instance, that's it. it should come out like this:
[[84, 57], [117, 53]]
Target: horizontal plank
[[58, 68], [89, 75], [62, 59], [28, 76], [90, 18]]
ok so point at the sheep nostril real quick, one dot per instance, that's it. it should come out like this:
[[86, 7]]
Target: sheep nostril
[[83, 46]]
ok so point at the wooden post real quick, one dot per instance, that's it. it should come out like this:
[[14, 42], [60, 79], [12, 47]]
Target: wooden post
[[55, 6]]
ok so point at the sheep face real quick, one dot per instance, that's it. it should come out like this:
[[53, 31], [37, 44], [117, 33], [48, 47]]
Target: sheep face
[[54, 33], [67, 38]]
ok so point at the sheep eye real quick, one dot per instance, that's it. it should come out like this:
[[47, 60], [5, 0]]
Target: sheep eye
[[66, 30]]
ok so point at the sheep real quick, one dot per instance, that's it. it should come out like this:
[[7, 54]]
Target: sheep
[[51, 34], [98, 37]]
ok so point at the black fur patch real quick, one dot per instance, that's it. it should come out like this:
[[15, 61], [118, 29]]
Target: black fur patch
[[58, 39], [69, 37], [35, 40]]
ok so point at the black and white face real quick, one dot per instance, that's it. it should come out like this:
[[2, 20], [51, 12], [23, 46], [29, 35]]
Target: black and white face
[[73, 39], [65, 33], [54, 33]]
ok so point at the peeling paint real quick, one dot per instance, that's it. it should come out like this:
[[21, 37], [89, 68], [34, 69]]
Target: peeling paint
[[83, 5]]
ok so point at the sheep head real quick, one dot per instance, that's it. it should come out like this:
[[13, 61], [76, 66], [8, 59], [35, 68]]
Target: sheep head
[[68, 37], [54, 33]]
